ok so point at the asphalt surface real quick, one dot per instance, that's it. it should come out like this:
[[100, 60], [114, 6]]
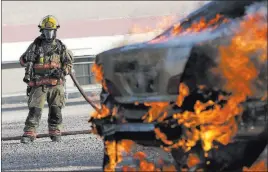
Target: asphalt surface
[[82, 152], [74, 118], [79, 152]]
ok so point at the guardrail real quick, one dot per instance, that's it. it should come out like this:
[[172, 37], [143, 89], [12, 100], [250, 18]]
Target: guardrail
[[83, 63], [77, 60]]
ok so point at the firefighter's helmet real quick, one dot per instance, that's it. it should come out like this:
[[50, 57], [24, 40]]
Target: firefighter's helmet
[[48, 27], [49, 22]]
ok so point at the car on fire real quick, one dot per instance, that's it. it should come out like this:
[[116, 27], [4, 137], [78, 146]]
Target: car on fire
[[151, 91]]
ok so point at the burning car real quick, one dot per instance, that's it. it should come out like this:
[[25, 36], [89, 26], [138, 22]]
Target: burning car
[[186, 90]]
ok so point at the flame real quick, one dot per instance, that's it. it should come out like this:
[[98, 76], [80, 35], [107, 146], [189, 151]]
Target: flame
[[236, 64], [195, 27], [218, 123], [123, 146], [140, 155], [169, 168], [198, 26], [215, 124], [156, 109], [98, 71], [114, 151], [111, 152], [183, 92], [192, 160], [260, 166], [104, 113], [127, 169], [145, 165]]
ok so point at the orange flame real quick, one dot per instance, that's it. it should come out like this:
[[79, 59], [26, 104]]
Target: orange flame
[[236, 64], [260, 166], [183, 92], [169, 168], [195, 27], [156, 109], [104, 113], [111, 152], [144, 165], [192, 160], [198, 26], [215, 124], [98, 71], [140, 155], [123, 146], [114, 151], [127, 169], [218, 123]]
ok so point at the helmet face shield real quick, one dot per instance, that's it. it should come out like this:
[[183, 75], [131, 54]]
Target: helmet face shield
[[49, 34]]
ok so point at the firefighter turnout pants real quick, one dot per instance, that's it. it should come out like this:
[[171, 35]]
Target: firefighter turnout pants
[[54, 95]]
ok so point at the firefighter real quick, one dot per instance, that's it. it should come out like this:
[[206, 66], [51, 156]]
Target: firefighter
[[47, 61]]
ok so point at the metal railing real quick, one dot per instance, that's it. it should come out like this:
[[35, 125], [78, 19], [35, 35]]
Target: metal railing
[[90, 62], [77, 60], [84, 75]]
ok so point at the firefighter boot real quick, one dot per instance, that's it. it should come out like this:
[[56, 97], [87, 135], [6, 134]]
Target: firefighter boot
[[31, 123], [28, 136], [55, 135], [54, 122]]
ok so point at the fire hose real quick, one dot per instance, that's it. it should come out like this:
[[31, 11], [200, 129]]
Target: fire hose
[[72, 74]]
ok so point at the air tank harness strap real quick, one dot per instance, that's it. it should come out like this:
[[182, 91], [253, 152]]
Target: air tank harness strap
[[46, 81], [47, 66]]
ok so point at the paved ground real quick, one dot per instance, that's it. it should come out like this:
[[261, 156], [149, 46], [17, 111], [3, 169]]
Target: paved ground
[[75, 118], [75, 153], [79, 152]]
